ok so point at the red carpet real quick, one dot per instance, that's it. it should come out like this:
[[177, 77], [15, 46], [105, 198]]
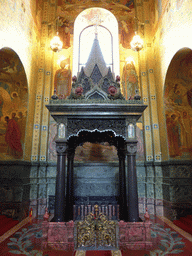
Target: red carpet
[[189, 217], [98, 253], [6, 224], [185, 223]]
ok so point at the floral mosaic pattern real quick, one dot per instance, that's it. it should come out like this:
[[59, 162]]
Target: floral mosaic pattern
[[21, 242], [170, 242]]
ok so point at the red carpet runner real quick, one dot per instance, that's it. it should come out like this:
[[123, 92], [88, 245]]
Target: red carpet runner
[[6, 224], [185, 223], [98, 253]]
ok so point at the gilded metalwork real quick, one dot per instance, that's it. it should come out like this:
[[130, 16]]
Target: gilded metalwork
[[116, 253], [96, 231], [80, 253]]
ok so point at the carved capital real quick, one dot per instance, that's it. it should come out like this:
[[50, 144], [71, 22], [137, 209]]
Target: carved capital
[[61, 148], [132, 147]]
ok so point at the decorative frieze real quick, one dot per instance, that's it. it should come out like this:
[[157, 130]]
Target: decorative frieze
[[75, 125]]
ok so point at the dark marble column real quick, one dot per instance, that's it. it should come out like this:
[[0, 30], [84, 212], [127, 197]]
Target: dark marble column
[[123, 211], [61, 148], [133, 210], [70, 186]]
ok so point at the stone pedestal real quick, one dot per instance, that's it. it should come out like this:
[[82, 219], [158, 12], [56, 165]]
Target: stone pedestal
[[135, 235], [58, 235], [131, 235]]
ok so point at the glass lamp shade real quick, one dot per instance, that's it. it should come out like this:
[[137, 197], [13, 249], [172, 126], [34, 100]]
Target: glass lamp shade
[[56, 44], [136, 43]]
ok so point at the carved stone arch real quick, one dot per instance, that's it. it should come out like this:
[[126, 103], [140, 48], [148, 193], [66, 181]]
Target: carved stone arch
[[96, 136], [96, 93]]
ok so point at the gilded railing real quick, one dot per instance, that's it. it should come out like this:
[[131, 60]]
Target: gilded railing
[[96, 231]]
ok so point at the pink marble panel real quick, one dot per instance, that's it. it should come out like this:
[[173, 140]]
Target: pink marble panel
[[59, 235], [134, 235]]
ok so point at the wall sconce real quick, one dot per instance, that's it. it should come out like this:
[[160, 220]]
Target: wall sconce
[[136, 43], [56, 44]]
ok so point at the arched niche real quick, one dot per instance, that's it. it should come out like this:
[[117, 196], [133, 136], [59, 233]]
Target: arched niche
[[178, 105], [96, 177], [105, 21], [13, 105]]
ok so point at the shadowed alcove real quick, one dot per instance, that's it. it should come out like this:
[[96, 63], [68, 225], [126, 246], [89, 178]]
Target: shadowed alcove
[[97, 182]]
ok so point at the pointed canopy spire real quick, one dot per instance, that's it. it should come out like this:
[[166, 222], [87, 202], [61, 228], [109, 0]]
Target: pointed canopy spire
[[95, 57]]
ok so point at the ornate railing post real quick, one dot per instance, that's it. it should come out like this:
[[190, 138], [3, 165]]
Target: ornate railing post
[[123, 211], [133, 211], [61, 148]]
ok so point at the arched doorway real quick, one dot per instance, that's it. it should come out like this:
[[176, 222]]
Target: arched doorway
[[13, 105]]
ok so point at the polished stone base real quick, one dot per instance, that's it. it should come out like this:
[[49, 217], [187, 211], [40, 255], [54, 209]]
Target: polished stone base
[[135, 235], [58, 235], [132, 235]]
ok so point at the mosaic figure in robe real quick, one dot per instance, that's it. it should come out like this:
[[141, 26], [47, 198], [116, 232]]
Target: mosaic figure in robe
[[129, 80], [62, 82]]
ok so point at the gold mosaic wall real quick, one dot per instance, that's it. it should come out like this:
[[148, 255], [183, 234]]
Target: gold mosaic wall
[[27, 27], [20, 29]]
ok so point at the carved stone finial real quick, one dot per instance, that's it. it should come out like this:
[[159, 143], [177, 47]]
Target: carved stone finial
[[137, 96], [147, 217], [54, 96], [46, 215]]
